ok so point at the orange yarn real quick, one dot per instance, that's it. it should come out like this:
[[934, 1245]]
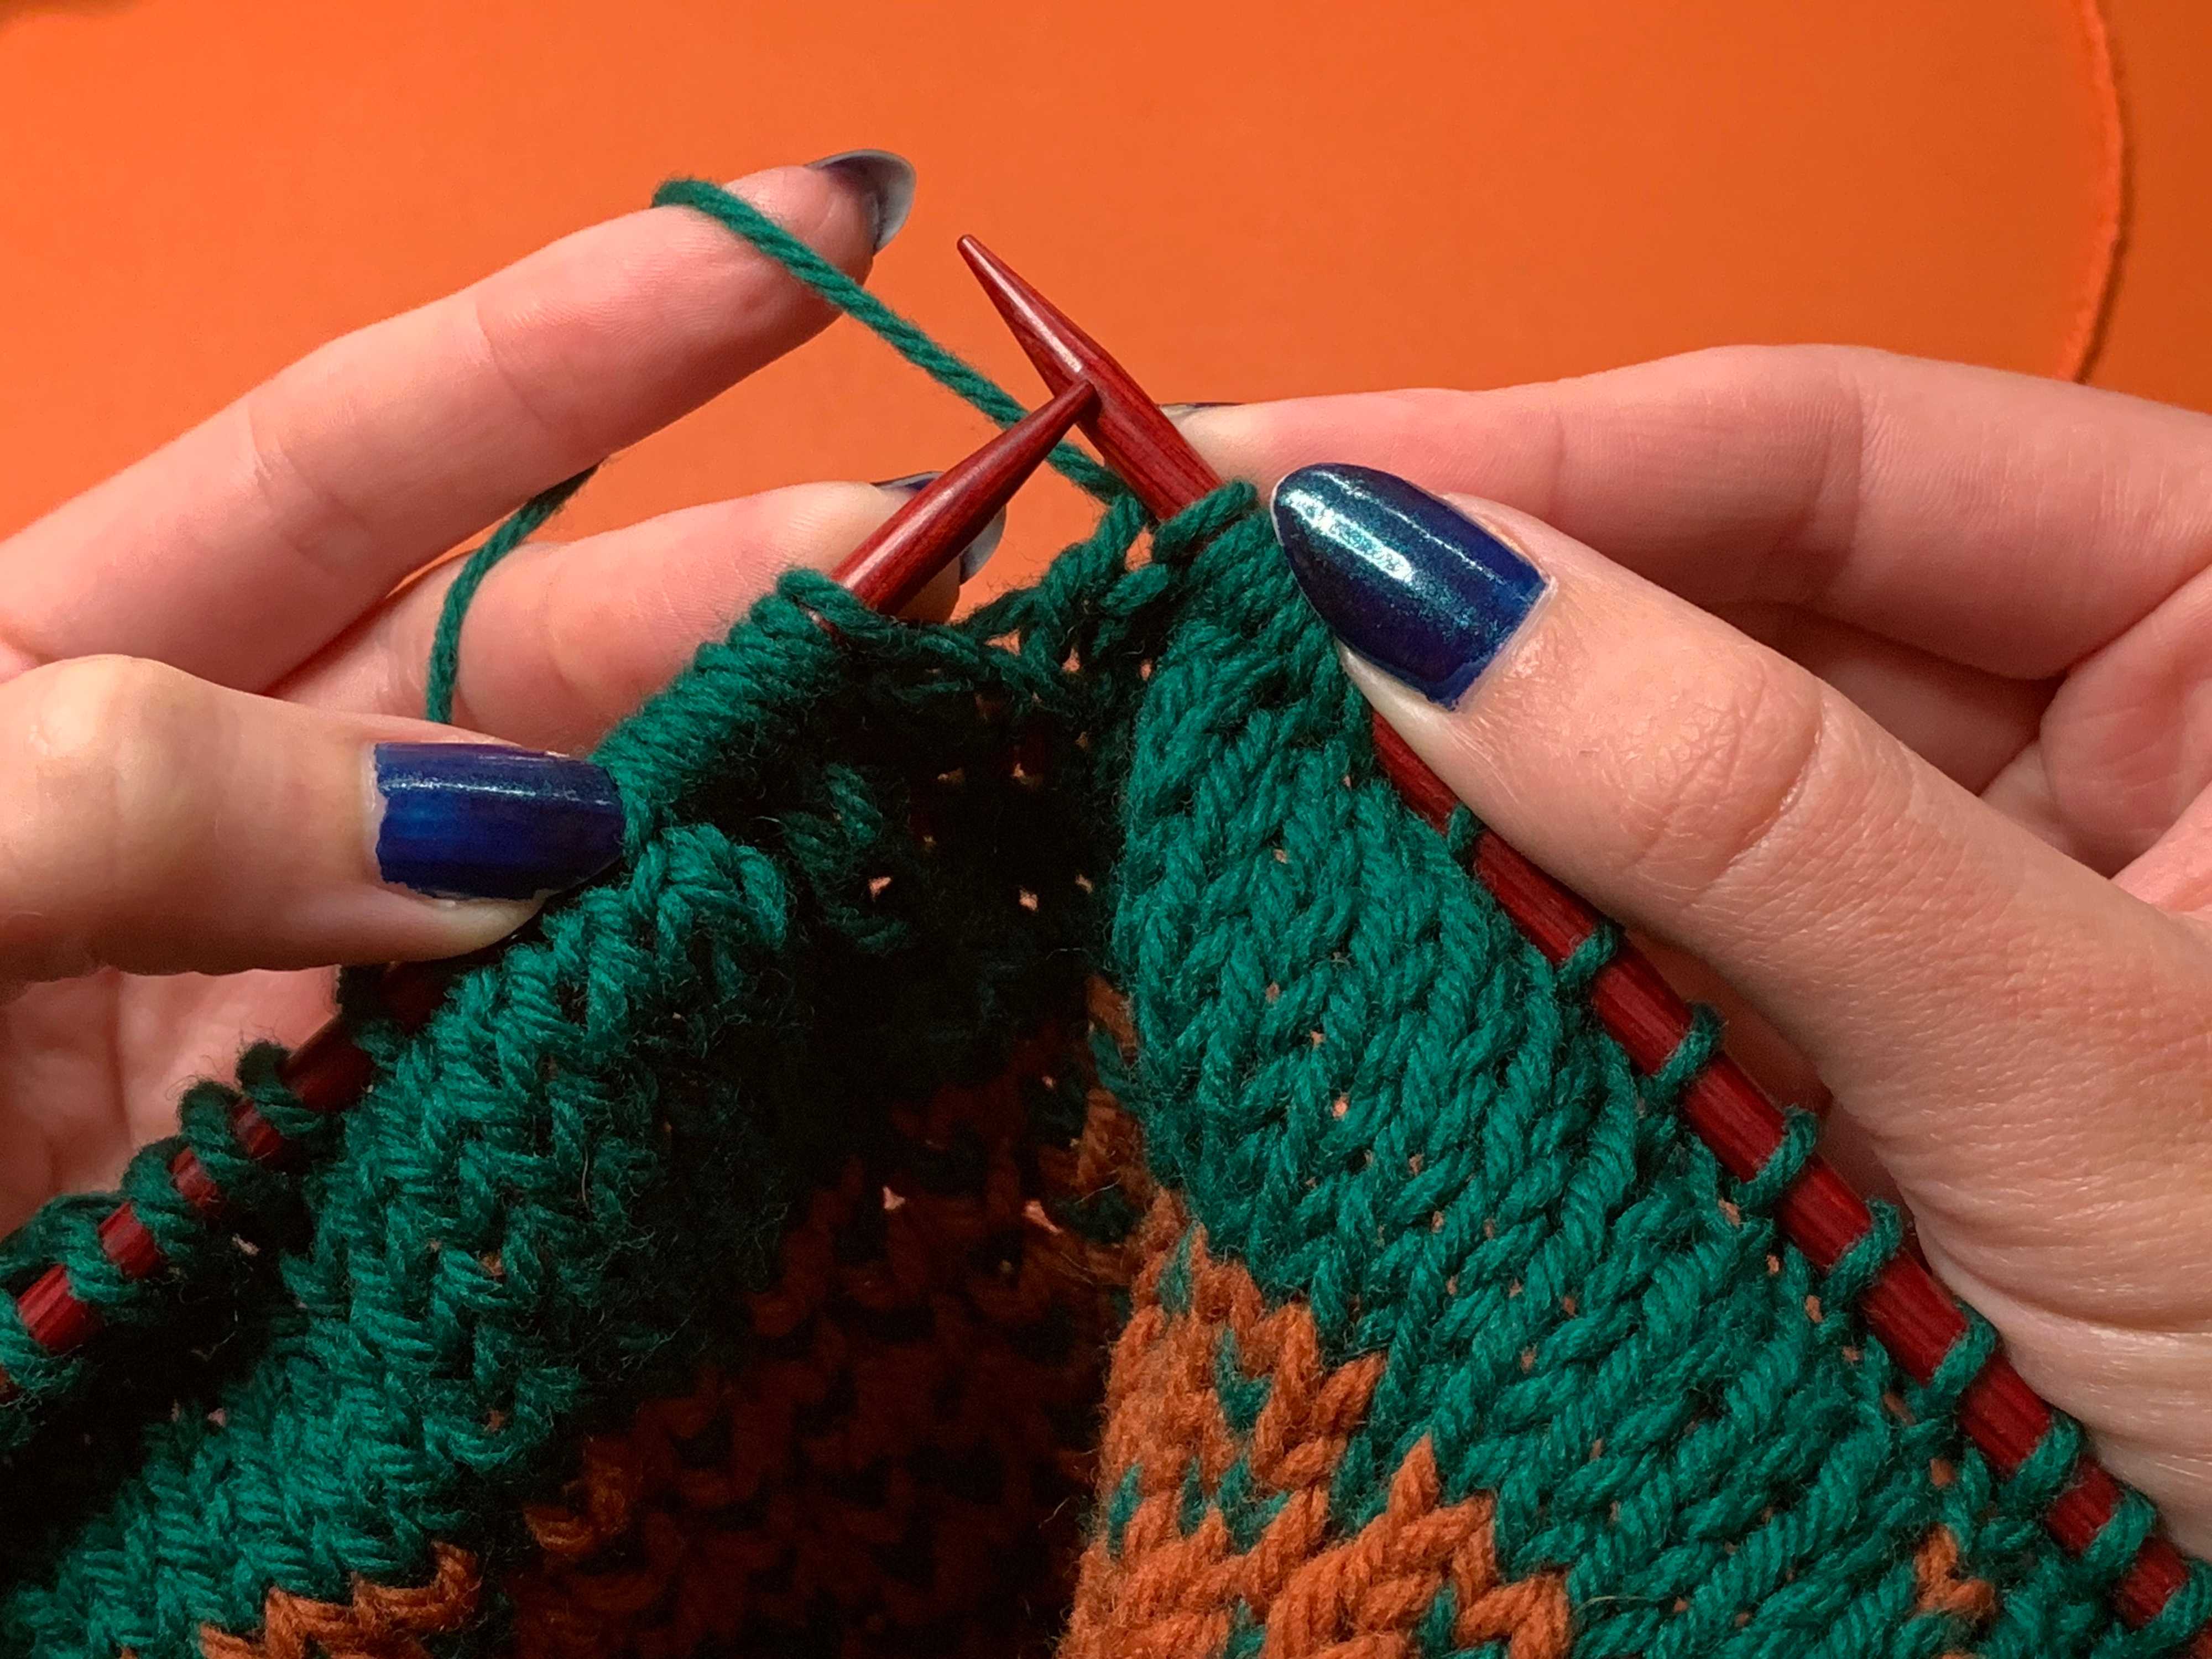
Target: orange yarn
[[1160, 1593], [906, 1447], [378, 1623], [1941, 1585], [907, 1444], [1363, 1598]]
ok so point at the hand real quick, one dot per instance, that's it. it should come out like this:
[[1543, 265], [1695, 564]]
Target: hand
[[1887, 692], [200, 658]]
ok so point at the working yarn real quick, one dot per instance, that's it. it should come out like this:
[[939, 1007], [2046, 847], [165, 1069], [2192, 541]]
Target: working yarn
[[1034, 1149]]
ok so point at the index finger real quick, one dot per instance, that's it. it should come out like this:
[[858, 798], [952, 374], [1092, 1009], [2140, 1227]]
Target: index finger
[[243, 547], [2008, 523]]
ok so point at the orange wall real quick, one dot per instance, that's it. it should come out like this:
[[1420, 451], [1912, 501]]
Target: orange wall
[[1243, 197]]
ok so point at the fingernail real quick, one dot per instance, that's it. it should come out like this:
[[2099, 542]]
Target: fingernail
[[978, 552], [473, 820], [884, 181], [1176, 411], [1409, 582], [911, 483]]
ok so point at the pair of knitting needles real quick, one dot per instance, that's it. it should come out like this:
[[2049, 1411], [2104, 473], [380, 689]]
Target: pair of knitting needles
[[1916, 1319]]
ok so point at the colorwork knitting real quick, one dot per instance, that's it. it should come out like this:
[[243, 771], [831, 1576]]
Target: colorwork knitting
[[1034, 1150]]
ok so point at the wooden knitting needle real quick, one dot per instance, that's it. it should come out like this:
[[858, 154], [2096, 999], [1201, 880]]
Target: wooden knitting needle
[[329, 1071], [1138, 441], [888, 570], [1917, 1319]]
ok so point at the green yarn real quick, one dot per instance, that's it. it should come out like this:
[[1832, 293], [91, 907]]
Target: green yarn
[[741, 217], [446, 643], [1369, 1091]]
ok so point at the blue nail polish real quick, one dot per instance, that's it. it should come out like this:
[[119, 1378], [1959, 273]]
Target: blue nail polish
[[472, 820], [1412, 585]]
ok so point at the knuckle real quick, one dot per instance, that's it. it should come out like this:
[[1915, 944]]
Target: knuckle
[[1717, 780], [313, 519], [508, 339], [95, 738], [84, 711], [582, 676]]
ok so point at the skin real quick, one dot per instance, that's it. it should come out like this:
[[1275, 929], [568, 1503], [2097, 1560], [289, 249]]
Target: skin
[[1886, 697]]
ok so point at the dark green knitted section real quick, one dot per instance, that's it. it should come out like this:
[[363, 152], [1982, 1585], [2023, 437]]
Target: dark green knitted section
[[563, 1182], [866, 859]]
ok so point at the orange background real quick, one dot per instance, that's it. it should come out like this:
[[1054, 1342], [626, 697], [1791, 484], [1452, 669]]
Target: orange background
[[1245, 199]]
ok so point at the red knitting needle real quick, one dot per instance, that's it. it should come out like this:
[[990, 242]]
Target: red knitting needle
[[328, 1072], [1138, 441], [1917, 1319], [891, 567]]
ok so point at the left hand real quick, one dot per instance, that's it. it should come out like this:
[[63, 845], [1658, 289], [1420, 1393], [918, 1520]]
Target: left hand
[[196, 655]]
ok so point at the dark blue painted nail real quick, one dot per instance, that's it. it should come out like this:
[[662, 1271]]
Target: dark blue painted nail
[[1412, 585], [474, 820]]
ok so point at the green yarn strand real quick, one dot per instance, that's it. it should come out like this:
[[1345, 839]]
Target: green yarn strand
[[747, 221], [738, 216], [446, 643]]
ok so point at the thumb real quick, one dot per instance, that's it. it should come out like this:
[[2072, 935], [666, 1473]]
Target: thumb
[[2014, 1033], [153, 822]]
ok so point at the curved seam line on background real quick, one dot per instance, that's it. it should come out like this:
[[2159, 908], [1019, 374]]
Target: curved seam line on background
[[2085, 333]]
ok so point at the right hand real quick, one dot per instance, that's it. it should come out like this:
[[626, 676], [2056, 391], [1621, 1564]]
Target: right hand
[[1883, 688]]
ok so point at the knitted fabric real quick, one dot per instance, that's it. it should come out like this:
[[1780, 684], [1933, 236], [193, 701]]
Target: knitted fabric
[[730, 1263]]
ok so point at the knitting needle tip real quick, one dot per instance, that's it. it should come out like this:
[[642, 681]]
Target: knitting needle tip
[[898, 561], [1138, 441]]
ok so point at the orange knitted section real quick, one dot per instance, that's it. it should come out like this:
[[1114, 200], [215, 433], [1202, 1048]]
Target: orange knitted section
[[1942, 1587], [1154, 1585], [378, 1623], [898, 1466]]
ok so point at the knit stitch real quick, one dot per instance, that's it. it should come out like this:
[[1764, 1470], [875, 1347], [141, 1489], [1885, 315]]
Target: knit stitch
[[1445, 1337]]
